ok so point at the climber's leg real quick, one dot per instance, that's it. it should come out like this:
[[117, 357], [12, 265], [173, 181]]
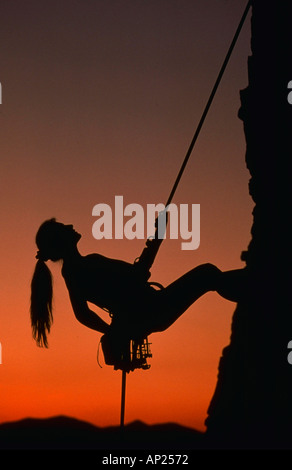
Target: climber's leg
[[171, 302]]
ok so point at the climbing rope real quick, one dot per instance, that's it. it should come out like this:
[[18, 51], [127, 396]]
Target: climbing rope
[[149, 253], [209, 102]]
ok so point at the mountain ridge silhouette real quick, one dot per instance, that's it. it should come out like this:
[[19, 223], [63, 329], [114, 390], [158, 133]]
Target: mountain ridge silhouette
[[63, 432]]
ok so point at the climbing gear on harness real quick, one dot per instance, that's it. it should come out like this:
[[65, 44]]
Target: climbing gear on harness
[[122, 349], [125, 355]]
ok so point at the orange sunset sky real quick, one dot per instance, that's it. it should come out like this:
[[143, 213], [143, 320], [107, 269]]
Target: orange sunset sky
[[101, 98]]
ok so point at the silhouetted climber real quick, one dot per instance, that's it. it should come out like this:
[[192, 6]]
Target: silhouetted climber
[[137, 308]]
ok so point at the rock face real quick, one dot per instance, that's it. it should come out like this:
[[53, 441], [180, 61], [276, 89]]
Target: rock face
[[252, 403]]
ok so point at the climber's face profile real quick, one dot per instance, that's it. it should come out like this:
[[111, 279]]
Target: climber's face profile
[[68, 232]]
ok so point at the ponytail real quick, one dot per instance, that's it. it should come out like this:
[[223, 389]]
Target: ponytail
[[41, 303]]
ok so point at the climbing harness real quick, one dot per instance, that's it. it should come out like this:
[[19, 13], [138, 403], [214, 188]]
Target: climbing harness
[[133, 354], [128, 355]]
